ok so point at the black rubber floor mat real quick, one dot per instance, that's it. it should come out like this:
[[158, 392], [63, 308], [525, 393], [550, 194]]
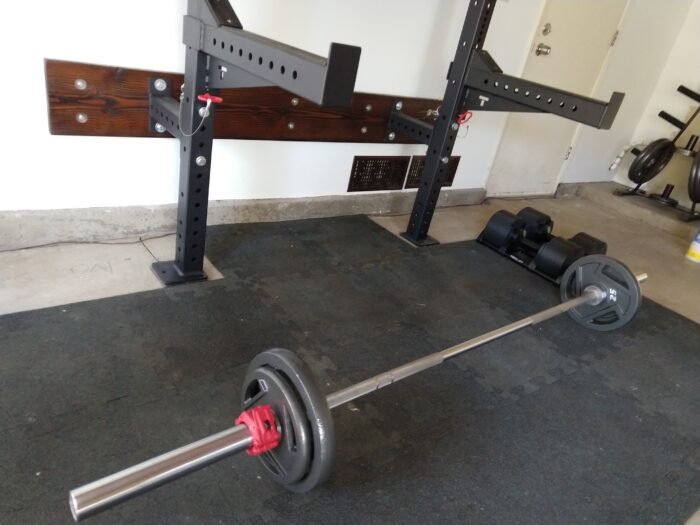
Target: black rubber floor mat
[[554, 424]]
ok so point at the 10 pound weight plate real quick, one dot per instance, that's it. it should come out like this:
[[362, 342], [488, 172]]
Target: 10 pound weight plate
[[290, 460], [316, 415], [622, 295]]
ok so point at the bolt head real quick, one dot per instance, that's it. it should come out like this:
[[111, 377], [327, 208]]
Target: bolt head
[[159, 128], [398, 106], [82, 118], [295, 101], [445, 160], [80, 84], [291, 126], [201, 161], [368, 108], [363, 129], [455, 126], [392, 136], [160, 84]]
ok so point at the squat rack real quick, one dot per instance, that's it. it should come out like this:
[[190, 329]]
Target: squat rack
[[475, 82], [221, 54]]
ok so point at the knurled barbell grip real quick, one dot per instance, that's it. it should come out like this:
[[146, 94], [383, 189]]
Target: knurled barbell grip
[[419, 365], [591, 294]]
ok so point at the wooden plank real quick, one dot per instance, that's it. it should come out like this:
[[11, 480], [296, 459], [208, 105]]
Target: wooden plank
[[116, 104]]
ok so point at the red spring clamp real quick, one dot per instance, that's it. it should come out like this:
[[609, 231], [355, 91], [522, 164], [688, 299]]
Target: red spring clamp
[[262, 427], [206, 97], [464, 117]]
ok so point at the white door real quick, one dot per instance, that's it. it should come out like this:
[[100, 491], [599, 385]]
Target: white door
[[534, 146]]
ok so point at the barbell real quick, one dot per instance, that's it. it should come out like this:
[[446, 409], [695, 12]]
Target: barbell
[[286, 420]]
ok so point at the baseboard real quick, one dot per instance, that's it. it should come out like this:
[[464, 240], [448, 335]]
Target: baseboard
[[19, 229]]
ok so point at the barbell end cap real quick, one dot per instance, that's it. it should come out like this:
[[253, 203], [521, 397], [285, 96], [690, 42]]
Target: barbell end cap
[[73, 509], [597, 295]]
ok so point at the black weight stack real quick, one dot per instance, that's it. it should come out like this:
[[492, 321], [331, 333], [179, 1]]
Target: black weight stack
[[503, 230], [538, 225], [590, 244], [555, 256]]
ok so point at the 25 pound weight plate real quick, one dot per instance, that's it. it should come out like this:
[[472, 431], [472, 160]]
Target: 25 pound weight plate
[[620, 286]]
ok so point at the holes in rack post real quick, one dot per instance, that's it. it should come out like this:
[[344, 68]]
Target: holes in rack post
[[540, 97]]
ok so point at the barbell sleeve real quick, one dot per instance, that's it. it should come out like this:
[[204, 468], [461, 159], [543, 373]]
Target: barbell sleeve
[[106, 492]]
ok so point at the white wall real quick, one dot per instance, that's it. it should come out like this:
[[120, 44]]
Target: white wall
[[407, 46], [646, 64], [682, 66]]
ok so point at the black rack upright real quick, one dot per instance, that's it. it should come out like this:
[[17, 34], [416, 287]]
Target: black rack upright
[[475, 82]]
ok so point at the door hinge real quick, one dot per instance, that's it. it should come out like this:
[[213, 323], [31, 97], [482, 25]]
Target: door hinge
[[614, 38], [568, 153]]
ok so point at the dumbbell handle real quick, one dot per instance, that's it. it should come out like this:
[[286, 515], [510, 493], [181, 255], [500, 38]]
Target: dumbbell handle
[[101, 494]]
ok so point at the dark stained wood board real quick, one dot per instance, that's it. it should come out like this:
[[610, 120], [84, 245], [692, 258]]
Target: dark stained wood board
[[116, 103]]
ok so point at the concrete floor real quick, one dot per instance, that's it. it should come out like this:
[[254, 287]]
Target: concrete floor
[[648, 241], [71, 273]]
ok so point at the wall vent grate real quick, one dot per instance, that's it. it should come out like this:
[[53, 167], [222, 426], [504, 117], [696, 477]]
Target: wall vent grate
[[416, 172], [378, 173]]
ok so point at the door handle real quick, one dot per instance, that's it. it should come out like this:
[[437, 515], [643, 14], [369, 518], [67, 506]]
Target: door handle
[[542, 49]]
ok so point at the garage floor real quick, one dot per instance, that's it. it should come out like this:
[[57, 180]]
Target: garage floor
[[647, 238], [637, 233], [553, 425]]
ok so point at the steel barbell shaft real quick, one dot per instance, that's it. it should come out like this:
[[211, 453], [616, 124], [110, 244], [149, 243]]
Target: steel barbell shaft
[[590, 295], [419, 365], [106, 492]]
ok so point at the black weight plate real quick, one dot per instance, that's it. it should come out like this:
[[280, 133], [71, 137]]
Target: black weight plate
[[667, 201], [694, 180], [651, 161], [622, 293], [591, 245], [556, 255], [502, 230], [538, 225], [289, 461], [318, 414]]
